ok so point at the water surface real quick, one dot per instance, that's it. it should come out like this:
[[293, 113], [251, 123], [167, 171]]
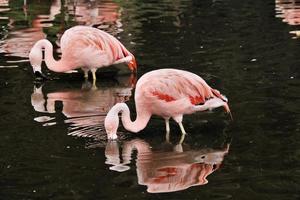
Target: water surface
[[52, 141]]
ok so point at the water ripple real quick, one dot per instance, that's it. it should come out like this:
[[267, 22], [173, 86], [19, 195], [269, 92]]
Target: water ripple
[[165, 170], [18, 40], [84, 109]]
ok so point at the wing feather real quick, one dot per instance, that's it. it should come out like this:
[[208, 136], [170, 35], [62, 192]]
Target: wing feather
[[173, 85], [93, 43]]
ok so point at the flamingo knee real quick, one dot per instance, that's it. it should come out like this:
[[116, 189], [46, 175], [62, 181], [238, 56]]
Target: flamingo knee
[[182, 129], [183, 133]]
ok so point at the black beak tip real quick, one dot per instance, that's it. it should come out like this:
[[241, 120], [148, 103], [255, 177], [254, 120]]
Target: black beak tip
[[40, 76]]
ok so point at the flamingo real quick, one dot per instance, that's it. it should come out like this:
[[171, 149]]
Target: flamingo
[[82, 47], [169, 93]]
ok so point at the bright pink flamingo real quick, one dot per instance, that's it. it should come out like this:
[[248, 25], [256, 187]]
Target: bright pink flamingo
[[167, 93], [82, 47]]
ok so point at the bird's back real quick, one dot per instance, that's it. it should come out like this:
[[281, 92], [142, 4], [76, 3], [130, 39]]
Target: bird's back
[[85, 41], [171, 87]]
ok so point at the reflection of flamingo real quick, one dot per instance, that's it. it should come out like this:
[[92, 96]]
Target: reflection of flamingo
[[95, 12], [84, 108], [167, 93], [165, 171], [82, 47], [19, 42], [289, 10]]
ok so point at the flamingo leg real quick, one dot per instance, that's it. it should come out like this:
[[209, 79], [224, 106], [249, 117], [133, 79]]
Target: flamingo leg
[[178, 119], [183, 132], [181, 139], [167, 129], [94, 77], [86, 75], [182, 128], [86, 72]]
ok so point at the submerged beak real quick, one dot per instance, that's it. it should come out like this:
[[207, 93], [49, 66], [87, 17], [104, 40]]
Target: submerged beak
[[132, 65], [40, 76], [226, 107]]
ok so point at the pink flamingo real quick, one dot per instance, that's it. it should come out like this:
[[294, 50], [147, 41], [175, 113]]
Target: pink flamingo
[[82, 47], [167, 93]]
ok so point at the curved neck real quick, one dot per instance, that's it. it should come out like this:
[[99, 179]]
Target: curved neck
[[52, 64], [140, 122]]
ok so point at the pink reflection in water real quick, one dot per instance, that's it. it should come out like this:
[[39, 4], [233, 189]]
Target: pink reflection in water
[[168, 171], [85, 108], [4, 6], [95, 12], [289, 11], [18, 42]]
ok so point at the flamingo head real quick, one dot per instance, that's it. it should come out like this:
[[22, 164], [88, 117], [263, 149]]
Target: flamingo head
[[132, 64], [218, 102], [111, 124], [36, 58]]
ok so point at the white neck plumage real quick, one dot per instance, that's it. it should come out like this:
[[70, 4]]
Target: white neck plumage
[[134, 126], [52, 64]]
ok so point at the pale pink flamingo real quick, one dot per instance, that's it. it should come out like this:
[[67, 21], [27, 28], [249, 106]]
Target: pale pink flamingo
[[82, 47], [169, 93]]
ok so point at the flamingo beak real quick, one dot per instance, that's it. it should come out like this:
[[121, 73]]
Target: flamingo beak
[[40, 76], [132, 65], [226, 107]]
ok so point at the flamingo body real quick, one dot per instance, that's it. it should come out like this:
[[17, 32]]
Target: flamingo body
[[82, 47], [169, 93]]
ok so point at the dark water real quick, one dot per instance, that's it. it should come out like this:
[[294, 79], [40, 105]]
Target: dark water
[[52, 141]]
